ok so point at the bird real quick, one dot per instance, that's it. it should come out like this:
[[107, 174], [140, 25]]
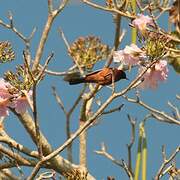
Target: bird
[[102, 77]]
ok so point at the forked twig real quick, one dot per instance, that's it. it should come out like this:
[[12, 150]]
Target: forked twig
[[166, 161], [122, 164]]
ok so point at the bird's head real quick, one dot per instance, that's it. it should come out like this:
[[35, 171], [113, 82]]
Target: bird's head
[[123, 75]]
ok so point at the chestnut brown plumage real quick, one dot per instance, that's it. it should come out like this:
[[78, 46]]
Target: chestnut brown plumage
[[103, 77]]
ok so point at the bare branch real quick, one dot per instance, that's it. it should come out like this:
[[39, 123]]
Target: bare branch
[[77, 100], [36, 121], [50, 6], [166, 161], [157, 114], [62, 6], [68, 48], [12, 143], [32, 34], [113, 110], [46, 31], [122, 164], [15, 156], [175, 110], [64, 38], [68, 115], [7, 174], [178, 97], [35, 115], [19, 34], [129, 146], [59, 101], [110, 58], [113, 10], [44, 67], [58, 163]]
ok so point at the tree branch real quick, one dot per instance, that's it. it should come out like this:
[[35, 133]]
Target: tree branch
[[122, 164], [166, 161], [129, 146], [45, 33], [162, 116], [113, 10]]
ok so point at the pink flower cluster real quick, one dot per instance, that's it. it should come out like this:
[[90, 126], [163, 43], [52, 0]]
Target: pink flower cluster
[[142, 21], [132, 55], [159, 72], [16, 101]]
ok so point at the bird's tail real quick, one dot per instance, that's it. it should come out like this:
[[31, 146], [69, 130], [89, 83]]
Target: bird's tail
[[74, 78], [74, 81]]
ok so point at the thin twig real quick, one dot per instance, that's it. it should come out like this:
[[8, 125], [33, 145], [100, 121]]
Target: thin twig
[[68, 48], [160, 115], [59, 101], [166, 161], [19, 34], [27, 65], [129, 146], [77, 100], [62, 6], [64, 38], [110, 58], [45, 33], [113, 110], [178, 97], [122, 164], [36, 121], [175, 110], [50, 6], [113, 10], [35, 114], [68, 115], [41, 73]]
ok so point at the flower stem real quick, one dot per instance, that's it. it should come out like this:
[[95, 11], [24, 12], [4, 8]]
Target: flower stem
[[133, 30], [144, 155], [138, 157]]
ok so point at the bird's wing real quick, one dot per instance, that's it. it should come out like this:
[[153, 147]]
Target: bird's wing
[[94, 72], [107, 73], [99, 75]]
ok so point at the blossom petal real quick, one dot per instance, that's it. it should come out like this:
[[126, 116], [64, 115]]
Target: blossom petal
[[131, 55], [142, 21], [159, 72]]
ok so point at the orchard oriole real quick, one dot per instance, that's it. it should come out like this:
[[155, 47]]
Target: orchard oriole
[[103, 77]]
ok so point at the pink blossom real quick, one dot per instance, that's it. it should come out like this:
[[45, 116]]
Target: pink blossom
[[4, 97], [131, 55], [4, 84], [142, 21], [159, 72], [21, 103], [17, 101], [4, 92], [4, 107]]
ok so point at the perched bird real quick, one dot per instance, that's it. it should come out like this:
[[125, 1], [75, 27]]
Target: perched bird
[[103, 77]]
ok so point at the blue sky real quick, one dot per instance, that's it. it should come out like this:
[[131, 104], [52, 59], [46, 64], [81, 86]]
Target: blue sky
[[114, 130]]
